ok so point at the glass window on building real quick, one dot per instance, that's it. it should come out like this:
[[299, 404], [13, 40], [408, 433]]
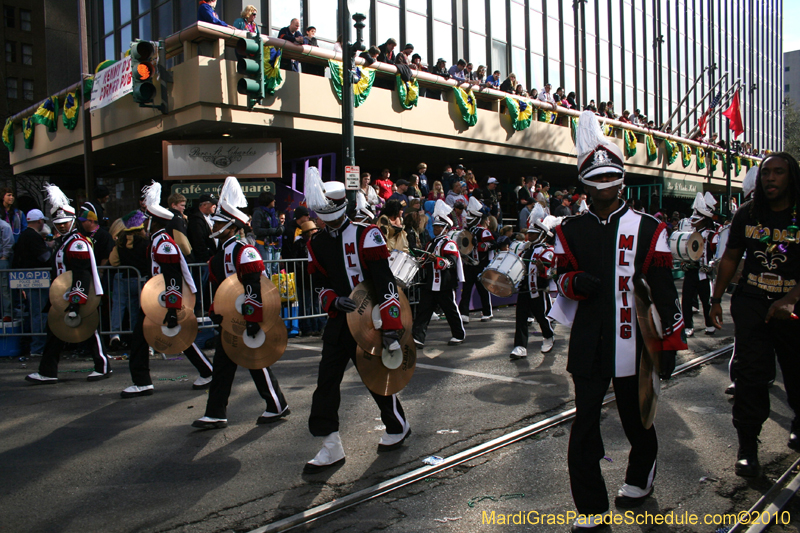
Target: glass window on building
[[536, 38], [569, 79], [477, 49], [628, 103], [11, 88], [617, 63], [569, 44], [323, 15], [591, 55], [145, 31], [603, 55], [476, 16], [591, 89], [499, 58], [188, 12], [537, 70], [9, 17], [518, 63], [553, 73], [498, 18], [164, 17], [27, 54], [617, 98], [443, 10], [108, 16], [418, 6], [553, 9], [417, 34], [125, 36], [27, 90], [282, 12], [25, 20], [553, 45], [144, 5], [602, 21], [443, 41], [517, 24], [108, 47], [11, 52], [124, 11], [388, 19]]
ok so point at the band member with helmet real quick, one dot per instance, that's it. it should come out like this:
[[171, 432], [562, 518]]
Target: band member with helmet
[[764, 305], [341, 256], [73, 253], [477, 261], [165, 258], [443, 271], [696, 281], [534, 296], [600, 254], [235, 256]]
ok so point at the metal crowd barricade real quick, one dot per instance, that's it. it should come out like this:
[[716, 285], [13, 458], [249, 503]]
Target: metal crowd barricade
[[16, 304]]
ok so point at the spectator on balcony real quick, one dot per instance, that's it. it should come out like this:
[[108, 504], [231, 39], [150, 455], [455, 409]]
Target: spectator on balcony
[[636, 117], [416, 64], [457, 71], [370, 56], [455, 195], [545, 96], [509, 85], [247, 21], [626, 117], [571, 101], [560, 93], [441, 69], [493, 81], [404, 57], [205, 13], [601, 110], [651, 124], [388, 55], [438, 192], [337, 46], [533, 94], [385, 184], [610, 110], [520, 91], [310, 37], [480, 75], [311, 40], [469, 74], [291, 33], [422, 170]]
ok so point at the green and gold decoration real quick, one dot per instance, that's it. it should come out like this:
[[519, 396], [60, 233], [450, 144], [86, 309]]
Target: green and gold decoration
[[714, 160], [466, 104], [365, 78], [69, 116], [8, 135], [652, 150], [408, 91], [521, 112], [747, 162], [573, 127], [738, 162], [547, 116], [608, 130], [672, 151], [47, 113], [630, 143], [686, 155], [27, 131], [272, 71], [701, 158]]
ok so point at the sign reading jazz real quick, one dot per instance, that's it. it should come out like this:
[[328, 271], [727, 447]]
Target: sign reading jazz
[[112, 83], [193, 191], [252, 158], [29, 279]]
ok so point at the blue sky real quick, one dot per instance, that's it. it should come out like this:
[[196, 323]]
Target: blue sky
[[791, 37]]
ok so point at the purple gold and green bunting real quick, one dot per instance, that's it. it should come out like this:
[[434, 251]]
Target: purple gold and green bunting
[[608, 130], [630, 143], [547, 116], [521, 112], [652, 150], [672, 151], [466, 104], [738, 164], [747, 162], [686, 155], [272, 71], [8, 135], [47, 114], [365, 78], [714, 160], [27, 131], [701, 158], [408, 91], [69, 116]]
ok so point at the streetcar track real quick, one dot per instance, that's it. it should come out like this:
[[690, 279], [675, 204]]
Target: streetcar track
[[395, 483]]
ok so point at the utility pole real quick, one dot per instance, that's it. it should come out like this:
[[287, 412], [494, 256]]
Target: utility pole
[[88, 156]]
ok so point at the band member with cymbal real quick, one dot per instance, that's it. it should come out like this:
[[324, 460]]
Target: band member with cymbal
[[697, 280], [477, 260], [242, 259], [534, 295], [165, 258], [73, 253], [599, 254], [443, 270], [341, 256]]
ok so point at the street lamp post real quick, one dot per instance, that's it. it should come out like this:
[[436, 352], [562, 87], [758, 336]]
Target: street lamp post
[[349, 50]]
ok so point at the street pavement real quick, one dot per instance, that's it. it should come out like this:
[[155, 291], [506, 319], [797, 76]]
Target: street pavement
[[76, 457]]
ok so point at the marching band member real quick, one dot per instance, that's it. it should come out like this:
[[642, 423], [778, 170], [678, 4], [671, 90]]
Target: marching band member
[[477, 261], [442, 263], [365, 212], [696, 282], [599, 254], [73, 253], [341, 256], [167, 258], [534, 296], [238, 257]]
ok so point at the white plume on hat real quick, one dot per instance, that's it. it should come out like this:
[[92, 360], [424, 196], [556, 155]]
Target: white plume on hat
[[231, 199], [363, 207], [327, 199], [537, 215], [372, 196], [474, 207], [710, 200], [152, 201], [582, 208], [441, 212], [60, 210], [749, 183], [550, 222], [701, 207], [597, 154]]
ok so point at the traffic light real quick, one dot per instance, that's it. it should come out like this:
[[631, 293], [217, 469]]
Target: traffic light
[[251, 65], [143, 66]]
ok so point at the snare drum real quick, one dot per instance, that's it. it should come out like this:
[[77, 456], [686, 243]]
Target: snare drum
[[503, 274], [518, 247], [686, 245], [404, 267], [463, 239]]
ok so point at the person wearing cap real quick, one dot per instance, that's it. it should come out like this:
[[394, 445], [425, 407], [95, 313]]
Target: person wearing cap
[[199, 230], [404, 57], [73, 253], [101, 240], [387, 54], [32, 251], [491, 197], [442, 264], [400, 195], [534, 295], [477, 260], [599, 255], [237, 257], [165, 257], [341, 256]]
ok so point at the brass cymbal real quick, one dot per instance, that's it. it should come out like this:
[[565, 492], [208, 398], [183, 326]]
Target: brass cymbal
[[382, 380], [256, 358], [57, 321], [159, 338], [182, 241], [649, 381], [465, 243], [153, 303], [225, 304], [361, 321], [58, 293]]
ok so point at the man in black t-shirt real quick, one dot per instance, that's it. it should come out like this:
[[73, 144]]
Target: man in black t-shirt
[[764, 305]]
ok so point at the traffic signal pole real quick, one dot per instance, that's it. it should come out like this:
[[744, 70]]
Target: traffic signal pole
[[251, 66], [88, 155]]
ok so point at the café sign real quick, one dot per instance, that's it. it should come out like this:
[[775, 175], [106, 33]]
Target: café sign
[[681, 188], [193, 191], [252, 158]]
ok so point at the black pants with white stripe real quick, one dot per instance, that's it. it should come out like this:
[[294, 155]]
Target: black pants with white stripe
[[48, 366], [220, 390], [139, 357], [537, 308], [428, 300], [471, 273], [694, 288], [586, 443], [324, 418]]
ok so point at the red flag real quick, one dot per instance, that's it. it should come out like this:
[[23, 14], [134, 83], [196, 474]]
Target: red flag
[[734, 115], [701, 124]]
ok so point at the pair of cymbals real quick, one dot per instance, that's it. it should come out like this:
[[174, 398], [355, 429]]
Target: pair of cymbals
[[171, 341], [72, 330], [60, 289], [649, 364], [263, 356], [154, 303], [383, 374]]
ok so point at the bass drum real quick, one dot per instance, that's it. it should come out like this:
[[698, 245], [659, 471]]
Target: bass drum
[[503, 275], [686, 246]]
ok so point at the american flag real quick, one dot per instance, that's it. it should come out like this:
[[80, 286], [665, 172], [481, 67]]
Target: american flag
[[715, 101]]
